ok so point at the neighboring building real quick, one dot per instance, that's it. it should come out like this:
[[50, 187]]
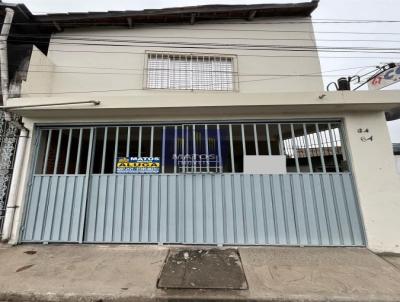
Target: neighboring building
[[219, 115], [19, 50]]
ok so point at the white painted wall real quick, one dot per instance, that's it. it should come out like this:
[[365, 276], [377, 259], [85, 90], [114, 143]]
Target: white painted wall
[[397, 158], [119, 68], [264, 164], [40, 76], [377, 182], [210, 104]]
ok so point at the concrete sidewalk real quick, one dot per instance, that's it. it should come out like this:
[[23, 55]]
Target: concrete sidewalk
[[130, 273]]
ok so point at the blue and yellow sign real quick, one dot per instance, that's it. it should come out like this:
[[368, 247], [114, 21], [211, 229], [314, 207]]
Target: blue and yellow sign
[[138, 165]]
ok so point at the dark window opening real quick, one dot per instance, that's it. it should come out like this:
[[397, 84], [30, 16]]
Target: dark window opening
[[193, 148]]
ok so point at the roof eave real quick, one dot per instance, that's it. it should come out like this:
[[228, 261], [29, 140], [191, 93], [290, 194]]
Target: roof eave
[[181, 14]]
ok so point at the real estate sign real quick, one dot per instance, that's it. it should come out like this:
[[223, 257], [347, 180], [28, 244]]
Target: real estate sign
[[138, 165], [389, 77]]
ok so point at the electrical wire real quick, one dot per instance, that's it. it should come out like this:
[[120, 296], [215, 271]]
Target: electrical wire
[[224, 44], [141, 69], [74, 51], [182, 43], [186, 70], [59, 36], [167, 27], [257, 48], [318, 74], [105, 38], [70, 51], [41, 14], [218, 21]]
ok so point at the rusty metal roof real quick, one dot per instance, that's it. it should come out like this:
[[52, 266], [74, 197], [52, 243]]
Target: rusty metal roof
[[188, 14]]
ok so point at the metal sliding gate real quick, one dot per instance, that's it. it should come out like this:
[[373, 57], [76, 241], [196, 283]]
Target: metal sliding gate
[[200, 195]]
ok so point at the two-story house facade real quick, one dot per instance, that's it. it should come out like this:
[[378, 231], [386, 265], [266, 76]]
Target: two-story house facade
[[199, 125]]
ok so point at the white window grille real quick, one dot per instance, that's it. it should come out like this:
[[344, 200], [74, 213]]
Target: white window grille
[[190, 72]]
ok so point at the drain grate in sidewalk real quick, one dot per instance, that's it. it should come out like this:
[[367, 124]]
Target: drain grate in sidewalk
[[203, 269]]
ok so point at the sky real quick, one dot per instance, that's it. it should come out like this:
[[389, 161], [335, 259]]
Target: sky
[[328, 9]]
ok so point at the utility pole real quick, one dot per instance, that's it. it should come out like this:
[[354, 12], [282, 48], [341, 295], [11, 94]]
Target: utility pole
[[5, 30]]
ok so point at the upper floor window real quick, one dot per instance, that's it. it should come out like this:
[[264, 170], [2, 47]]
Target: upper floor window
[[190, 72]]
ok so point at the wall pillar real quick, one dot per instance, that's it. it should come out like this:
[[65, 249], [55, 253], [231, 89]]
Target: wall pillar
[[377, 182]]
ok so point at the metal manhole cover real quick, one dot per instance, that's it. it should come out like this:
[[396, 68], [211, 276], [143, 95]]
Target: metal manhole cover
[[203, 269]]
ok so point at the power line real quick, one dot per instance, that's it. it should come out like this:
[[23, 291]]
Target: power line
[[279, 18], [222, 21], [320, 74], [234, 82], [281, 31], [107, 39], [183, 70], [311, 22], [371, 50], [207, 44], [374, 20], [218, 44], [87, 91], [238, 47], [142, 74], [61, 36], [242, 55], [167, 27], [141, 69]]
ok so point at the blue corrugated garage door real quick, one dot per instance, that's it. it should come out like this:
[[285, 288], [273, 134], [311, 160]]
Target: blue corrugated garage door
[[200, 192]]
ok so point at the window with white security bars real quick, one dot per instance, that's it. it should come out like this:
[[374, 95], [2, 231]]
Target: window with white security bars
[[190, 72]]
